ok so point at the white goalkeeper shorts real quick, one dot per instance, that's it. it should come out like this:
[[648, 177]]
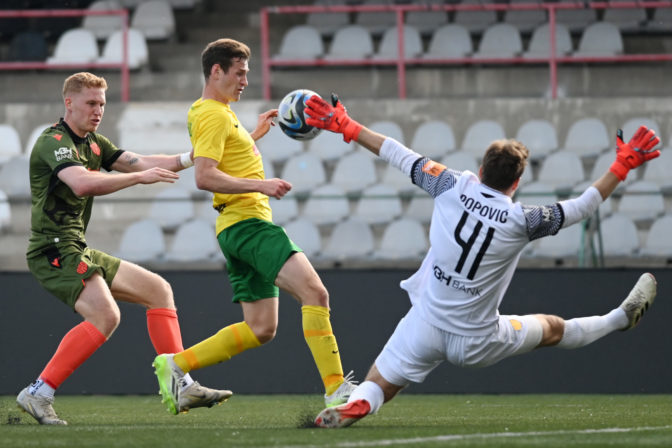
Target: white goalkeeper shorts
[[417, 347]]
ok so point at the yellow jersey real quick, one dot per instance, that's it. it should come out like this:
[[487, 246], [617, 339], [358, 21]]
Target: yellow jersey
[[216, 133]]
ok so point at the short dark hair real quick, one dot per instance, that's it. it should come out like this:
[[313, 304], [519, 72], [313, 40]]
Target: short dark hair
[[504, 163], [223, 52]]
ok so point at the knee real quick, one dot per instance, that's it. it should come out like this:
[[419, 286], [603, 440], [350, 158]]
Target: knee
[[164, 293], [317, 296], [108, 321], [265, 332], [554, 329]]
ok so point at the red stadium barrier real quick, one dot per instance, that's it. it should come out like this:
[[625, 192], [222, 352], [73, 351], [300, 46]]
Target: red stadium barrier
[[400, 62], [123, 66]]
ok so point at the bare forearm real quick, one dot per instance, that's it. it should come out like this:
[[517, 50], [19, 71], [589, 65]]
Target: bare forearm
[[219, 182], [370, 140], [168, 162], [99, 184], [606, 184]]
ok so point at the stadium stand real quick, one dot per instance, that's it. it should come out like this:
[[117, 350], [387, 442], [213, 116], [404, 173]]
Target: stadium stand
[[354, 172], [28, 46], [11, 142], [329, 146], [659, 239], [305, 171], [155, 19], [540, 46], [659, 172], [277, 147], [562, 170], [5, 212], [389, 47], [327, 23], [642, 202], [537, 193], [376, 22], [379, 204], [600, 39], [566, 243], [171, 207], [300, 42], [75, 46], [476, 21], [350, 239], [306, 234], [426, 22], [350, 42], [285, 209], [539, 136], [619, 236], [14, 178], [501, 40], [576, 20], [194, 241], [626, 20], [587, 137], [480, 134], [138, 53], [525, 20], [661, 20], [399, 181], [326, 205], [450, 41], [403, 239], [103, 26], [461, 161], [142, 241], [433, 138]]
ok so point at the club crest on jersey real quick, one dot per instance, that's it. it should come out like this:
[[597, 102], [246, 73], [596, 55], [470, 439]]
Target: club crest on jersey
[[433, 168], [95, 148], [63, 153]]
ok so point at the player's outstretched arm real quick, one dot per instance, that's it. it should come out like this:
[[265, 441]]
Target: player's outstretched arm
[[631, 155], [130, 162], [83, 182], [264, 123]]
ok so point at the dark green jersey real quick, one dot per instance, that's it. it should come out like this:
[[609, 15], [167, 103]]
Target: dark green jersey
[[58, 215]]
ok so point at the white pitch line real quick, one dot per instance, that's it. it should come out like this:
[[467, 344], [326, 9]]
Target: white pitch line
[[494, 435]]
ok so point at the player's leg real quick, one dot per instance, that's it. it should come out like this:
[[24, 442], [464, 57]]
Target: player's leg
[[299, 278], [101, 317], [582, 331]]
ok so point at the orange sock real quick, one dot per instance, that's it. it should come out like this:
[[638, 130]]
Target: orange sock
[[164, 330], [75, 348]]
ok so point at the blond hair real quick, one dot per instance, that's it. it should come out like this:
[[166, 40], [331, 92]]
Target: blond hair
[[75, 83]]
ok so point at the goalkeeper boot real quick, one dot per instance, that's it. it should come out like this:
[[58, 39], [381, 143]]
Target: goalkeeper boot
[[169, 375], [197, 396], [39, 407], [639, 300], [343, 392], [343, 415]]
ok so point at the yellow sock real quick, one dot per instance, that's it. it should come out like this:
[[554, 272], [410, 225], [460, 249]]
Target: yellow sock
[[322, 343], [221, 347]]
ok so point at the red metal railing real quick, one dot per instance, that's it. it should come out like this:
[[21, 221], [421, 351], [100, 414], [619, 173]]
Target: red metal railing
[[123, 66], [401, 62]]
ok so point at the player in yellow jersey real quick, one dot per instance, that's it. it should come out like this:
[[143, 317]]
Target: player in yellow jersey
[[260, 256]]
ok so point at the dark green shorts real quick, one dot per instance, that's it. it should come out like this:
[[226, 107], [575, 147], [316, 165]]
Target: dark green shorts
[[255, 251], [62, 269]]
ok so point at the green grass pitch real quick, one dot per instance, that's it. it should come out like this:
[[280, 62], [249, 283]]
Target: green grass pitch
[[408, 421]]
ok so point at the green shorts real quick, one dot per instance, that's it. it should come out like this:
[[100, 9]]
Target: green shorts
[[255, 251], [62, 269]]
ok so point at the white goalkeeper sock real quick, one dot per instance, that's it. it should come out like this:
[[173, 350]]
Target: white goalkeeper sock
[[584, 330], [370, 392]]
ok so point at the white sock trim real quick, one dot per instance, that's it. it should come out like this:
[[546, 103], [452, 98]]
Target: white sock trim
[[371, 392]]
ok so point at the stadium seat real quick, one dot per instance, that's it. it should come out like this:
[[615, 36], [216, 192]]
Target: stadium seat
[[562, 170], [15, 177], [376, 22], [11, 143], [379, 204], [480, 135], [658, 171], [661, 20], [420, 207], [626, 19], [501, 40], [75, 46], [540, 45], [642, 201], [284, 210], [450, 41], [658, 242], [630, 127], [539, 136], [277, 147], [306, 235], [351, 42], [389, 48], [426, 22], [566, 243], [329, 146], [576, 20], [587, 137], [326, 205], [388, 128], [34, 135], [5, 212], [403, 239], [350, 239], [354, 172], [155, 19], [172, 207], [619, 236], [397, 180], [600, 39], [525, 20], [103, 26], [138, 54], [300, 42], [305, 172], [142, 241], [537, 193], [327, 23], [461, 161], [28, 46], [433, 139], [194, 240], [476, 21]]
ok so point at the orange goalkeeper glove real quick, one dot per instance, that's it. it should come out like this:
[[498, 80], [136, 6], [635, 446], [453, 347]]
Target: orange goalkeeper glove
[[332, 117], [635, 152]]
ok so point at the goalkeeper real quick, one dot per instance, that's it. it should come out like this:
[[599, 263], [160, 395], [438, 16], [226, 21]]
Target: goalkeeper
[[477, 234]]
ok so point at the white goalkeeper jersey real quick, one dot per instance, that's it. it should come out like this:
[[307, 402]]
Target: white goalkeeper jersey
[[476, 237]]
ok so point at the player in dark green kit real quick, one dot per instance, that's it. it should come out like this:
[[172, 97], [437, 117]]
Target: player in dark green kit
[[65, 175]]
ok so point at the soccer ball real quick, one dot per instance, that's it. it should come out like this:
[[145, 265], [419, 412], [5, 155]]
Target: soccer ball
[[291, 118]]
